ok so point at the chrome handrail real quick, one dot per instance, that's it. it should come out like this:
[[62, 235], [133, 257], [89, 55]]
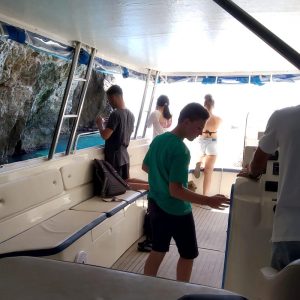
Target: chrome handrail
[[83, 134]]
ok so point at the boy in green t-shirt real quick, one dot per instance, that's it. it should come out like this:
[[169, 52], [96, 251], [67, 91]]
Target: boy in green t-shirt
[[166, 163]]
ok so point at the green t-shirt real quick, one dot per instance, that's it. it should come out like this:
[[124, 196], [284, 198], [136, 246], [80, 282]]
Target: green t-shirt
[[168, 160]]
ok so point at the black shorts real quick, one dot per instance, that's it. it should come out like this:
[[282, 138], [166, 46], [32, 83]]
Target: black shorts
[[123, 171], [181, 228]]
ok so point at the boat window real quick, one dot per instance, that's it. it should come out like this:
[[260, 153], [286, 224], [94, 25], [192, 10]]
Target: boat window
[[33, 78], [235, 104], [32, 84]]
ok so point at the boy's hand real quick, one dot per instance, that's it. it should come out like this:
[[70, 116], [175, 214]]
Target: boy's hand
[[218, 202], [192, 186], [100, 122]]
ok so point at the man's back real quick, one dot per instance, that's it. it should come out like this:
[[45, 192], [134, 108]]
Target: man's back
[[283, 131], [121, 122]]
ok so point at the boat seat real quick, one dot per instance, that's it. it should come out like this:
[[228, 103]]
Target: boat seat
[[12, 194], [60, 231], [50, 210], [55, 214], [38, 278], [108, 207], [280, 285], [53, 235], [77, 174], [26, 201]]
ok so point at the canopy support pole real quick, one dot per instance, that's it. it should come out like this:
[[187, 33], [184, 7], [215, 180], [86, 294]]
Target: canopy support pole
[[261, 31], [142, 104], [151, 102]]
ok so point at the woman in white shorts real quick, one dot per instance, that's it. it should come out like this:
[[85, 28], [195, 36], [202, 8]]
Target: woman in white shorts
[[208, 146]]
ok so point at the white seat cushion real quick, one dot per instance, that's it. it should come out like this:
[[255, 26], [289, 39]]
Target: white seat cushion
[[50, 233], [24, 193], [76, 174]]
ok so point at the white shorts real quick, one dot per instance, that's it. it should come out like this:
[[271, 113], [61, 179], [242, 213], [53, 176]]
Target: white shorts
[[208, 146]]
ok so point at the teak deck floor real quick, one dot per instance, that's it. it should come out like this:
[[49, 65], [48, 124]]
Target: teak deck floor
[[211, 227]]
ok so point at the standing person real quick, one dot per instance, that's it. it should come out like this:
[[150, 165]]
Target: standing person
[[116, 134], [208, 145], [282, 133], [161, 118], [166, 163]]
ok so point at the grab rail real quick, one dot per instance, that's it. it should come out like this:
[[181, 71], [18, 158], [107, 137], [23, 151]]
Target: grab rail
[[83, 134]]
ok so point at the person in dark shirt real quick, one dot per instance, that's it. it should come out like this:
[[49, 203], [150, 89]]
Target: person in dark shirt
[[117, 134]]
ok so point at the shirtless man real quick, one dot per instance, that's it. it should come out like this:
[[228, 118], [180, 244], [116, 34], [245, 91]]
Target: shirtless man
[[208, 145]]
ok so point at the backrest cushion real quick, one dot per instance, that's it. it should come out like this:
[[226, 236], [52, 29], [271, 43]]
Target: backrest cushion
[[76, 174], [23, 193]]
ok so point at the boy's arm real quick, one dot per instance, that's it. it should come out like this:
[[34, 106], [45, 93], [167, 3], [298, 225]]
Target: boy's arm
[[104, 132], [177, 190]]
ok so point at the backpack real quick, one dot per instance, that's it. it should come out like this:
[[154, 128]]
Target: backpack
[[107, 182]]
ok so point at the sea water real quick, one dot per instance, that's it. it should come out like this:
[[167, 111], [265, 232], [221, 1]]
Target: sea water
[[85, 141]]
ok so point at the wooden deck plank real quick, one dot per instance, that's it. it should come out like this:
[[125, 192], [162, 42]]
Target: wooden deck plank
[[211, 229]]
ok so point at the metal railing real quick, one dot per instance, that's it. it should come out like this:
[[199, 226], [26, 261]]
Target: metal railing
[[84, 134]]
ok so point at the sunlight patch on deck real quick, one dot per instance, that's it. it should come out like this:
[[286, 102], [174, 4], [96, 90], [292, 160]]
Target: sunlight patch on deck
[[211, 226]]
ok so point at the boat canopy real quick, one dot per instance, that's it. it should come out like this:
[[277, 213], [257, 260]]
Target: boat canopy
[[176, 37]]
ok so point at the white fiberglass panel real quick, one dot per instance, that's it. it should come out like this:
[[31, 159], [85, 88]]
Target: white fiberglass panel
[[170, 36]]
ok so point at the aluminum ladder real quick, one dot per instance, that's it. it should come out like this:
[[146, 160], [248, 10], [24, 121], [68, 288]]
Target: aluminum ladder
[[62, 116]]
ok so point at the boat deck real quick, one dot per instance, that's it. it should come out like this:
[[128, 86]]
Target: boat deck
[[211, 227]]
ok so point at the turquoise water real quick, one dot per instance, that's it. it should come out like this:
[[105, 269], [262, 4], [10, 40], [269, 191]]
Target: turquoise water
[[83, 142]]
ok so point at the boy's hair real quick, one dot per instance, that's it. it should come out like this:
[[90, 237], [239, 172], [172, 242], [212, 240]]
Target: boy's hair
[[114, 90], [193, 111]]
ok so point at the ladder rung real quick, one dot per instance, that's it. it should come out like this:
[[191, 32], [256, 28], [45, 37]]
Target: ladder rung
[[70, 116], [79, 79]]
